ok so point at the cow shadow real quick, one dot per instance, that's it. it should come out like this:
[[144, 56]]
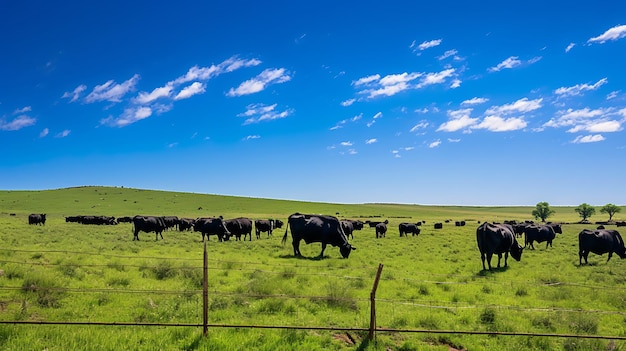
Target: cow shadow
[[487, 272], [315, 258]]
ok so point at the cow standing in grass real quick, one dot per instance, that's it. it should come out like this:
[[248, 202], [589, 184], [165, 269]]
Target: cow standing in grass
[[37, 218], [497, 239]]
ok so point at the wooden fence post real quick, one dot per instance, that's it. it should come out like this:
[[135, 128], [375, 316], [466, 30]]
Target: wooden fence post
[[205, 293], [373, 303]]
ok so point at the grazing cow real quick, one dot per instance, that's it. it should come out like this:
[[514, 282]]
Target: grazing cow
[[171, 222], [381, 229], [212, 226], [148, 224], [239, 226], [538, 233], [37, 218], [621, 223], [600, 242], [185, 224], [406, 228], [263, 225], [278, 223], [349, 226], [317, 229], [124, 219], [438, 225], [497, 239]]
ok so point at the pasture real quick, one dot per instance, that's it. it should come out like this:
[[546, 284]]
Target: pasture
[[433, 281]]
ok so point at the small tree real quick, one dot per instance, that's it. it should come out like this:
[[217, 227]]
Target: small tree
[[585, 211], [542, 211], [611, 210]]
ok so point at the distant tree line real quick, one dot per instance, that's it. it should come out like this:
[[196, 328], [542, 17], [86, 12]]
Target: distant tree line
[[543, 211]]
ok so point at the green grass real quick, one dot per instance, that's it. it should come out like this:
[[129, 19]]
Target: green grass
[[72, 272]]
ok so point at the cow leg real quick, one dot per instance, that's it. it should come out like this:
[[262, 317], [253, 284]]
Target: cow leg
[[489, 256], [499, 258], [323, 248], [296, 247], [610, 254], [161, 234], [506, 258], [482, 258]]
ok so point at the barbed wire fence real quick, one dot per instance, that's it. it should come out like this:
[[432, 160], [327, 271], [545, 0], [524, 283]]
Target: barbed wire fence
[[371, 320]]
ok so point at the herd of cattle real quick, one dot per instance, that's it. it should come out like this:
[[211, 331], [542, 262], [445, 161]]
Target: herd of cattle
[[492, 238]]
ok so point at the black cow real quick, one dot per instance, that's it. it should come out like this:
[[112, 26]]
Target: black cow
[[185, 224], [497, 239], [212, 226], [406, 228], [239, 226], [263, 225], [73, 219], [438, 225], [317, 229], [381, 229], [538, 233], [600, 242], [148, 224], [124, 219], [620, 223], [171, 222], [37, 218], [349, 226], [278, 223]]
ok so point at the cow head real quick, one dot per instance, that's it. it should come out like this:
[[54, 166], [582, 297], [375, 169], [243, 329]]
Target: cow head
[[516, 251], [346, 249]]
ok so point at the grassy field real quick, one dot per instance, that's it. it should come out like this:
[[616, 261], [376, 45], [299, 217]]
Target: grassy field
[[434, 281]]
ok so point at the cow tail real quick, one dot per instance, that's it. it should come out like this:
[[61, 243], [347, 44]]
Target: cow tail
[[285, 236]]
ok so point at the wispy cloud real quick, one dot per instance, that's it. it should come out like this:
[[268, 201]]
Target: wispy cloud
[[111, 91], [450, 53], [578, 89], [612, 95], [22, 110], [600, 120], [588, 139], [475, 101], [435, 78], [17, 123], [44, 132], [63, 134], [346, 143], [425, 45], [434, 144], [499, 124], [374, 85], [260, 82], [146, 98], [371, 141], [348, 102], [256, 113], [419, 126], [129, 116], [75, 94], [458, 119], [614, 33], [231, 64], [252, 137], [194, 89], [512, 62], [570, 47], [520, 106]]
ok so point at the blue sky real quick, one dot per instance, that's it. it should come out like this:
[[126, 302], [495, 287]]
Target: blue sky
[[446, 102]]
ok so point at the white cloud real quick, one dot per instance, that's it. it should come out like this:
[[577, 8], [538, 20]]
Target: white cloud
[[572, 117], [455, 83], [578, 89], [435, 78], [196, 73], [346, 143], [510, 62], [348, 102], [614, 33], [63, 134], [419, 125], [260, 82], [17, 123], [146, 98], [475, 101], [371, 141], [520, 106], [434, 144], [22, 110], [570, 47], [453, 140], [75, 95], [459, 119], [422, 110], [499, 124], [600, 126], [447, 54], [612, 95], [588, 139], [171, 145], [129, 116], [44, 132], [259, 112], [378, 115], [111, 91], [194, 89], [252, 137], [429, 44], [366, 80]]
